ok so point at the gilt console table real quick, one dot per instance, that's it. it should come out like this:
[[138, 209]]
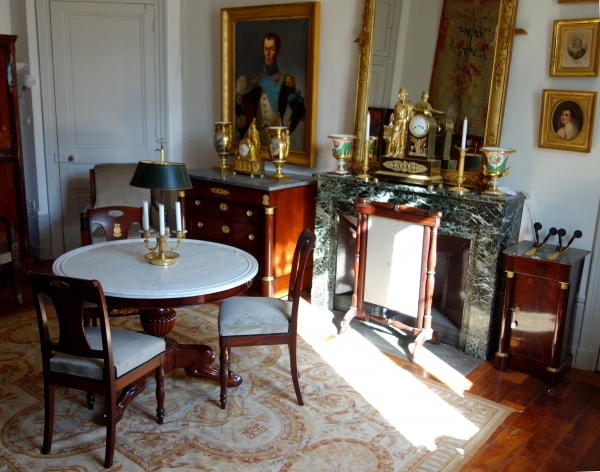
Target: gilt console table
[[490, 224]]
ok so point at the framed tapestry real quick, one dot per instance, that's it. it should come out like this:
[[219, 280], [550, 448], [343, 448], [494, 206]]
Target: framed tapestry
[[567, 120], [575, 48], [269, 74]]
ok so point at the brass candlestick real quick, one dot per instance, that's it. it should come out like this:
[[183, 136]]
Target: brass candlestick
[[460, 178], [158, 255], [365, 164]]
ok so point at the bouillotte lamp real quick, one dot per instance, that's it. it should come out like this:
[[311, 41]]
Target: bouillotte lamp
[[161, 176]]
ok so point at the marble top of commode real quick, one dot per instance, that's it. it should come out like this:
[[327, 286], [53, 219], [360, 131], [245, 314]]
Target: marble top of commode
[[202, 268], [257, 182]]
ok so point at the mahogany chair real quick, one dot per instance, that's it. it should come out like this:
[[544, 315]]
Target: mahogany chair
[[9, 258], [262, 321], [394, 266], [98, 360]]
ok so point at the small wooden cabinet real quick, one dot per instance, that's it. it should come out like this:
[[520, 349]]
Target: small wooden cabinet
[[12, 185], [536, 336], [260, 216]]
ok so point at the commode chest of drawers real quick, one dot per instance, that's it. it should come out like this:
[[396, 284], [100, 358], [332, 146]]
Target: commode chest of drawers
[[263, 217]]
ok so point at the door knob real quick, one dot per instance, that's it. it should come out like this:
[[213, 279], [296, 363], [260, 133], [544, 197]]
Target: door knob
[[71, 158]]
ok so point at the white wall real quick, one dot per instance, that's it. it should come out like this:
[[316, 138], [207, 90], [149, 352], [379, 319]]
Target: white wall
[[5, 27]]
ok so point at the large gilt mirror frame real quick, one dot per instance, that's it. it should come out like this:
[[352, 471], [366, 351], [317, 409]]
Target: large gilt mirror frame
[[501, 67]]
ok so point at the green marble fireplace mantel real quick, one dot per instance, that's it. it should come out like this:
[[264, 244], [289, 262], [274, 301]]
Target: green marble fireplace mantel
[[491, 224]]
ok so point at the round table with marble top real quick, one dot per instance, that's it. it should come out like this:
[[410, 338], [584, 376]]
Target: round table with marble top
[[204, 272]]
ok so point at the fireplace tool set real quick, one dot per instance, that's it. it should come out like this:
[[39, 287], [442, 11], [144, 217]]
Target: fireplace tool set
[[551, 232]]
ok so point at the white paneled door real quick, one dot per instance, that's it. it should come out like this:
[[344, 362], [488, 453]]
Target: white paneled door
[[104, 61]]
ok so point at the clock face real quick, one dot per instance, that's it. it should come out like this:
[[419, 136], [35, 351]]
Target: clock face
[[419, 126]]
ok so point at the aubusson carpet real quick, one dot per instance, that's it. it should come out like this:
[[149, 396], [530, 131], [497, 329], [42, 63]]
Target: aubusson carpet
[[416, 425]]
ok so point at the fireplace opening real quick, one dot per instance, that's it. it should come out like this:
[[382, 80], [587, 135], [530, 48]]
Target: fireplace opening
[[450, 282]]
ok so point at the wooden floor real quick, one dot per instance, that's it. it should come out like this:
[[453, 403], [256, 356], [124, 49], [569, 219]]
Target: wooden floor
[[552, 429]]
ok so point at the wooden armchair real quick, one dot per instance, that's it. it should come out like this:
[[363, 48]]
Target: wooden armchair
[[394, 266], [10, 259], [109, 187], [96, 360]]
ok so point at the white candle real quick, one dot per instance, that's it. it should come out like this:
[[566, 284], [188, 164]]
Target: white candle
[[145, 219], [368, 126], [463, 143], [178, 216], [161, 219]]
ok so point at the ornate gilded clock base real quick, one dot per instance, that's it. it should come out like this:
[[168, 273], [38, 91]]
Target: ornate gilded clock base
[[246, 167], [425, 172]]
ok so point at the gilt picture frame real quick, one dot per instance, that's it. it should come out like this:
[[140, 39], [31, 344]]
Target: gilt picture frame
[[575, 48], [577, 1], [277, 88], [567, 120]]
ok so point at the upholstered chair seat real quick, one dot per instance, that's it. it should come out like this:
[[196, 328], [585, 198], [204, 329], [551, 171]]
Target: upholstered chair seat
[[5, 256], [130, 350], [254, 315]]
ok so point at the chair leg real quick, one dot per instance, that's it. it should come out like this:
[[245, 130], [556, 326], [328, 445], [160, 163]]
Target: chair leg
[[111, 427], [48, 417], [160, 394], [91, 399], [17, 285], [294, 368], [224, 374]]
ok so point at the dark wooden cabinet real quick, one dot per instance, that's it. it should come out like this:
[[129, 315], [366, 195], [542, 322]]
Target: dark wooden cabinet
[[12, 186], [260, 216], [539, 310]]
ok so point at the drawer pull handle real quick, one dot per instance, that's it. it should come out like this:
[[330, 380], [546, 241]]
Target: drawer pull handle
[[251, 237], [225, 229], [223, 206], [200, 224], [219, 191], [249, 213], [197, 202], [514, 323]]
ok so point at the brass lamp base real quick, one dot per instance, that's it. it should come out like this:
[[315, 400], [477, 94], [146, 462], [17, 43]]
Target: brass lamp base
[[161, 258]]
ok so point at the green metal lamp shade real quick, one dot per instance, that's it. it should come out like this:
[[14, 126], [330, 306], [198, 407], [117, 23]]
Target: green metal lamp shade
[[161, 176]]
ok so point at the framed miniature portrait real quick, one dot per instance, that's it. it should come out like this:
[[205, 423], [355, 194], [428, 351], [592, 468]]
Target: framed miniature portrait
[[269, 60], [567, 120], [575, 51]]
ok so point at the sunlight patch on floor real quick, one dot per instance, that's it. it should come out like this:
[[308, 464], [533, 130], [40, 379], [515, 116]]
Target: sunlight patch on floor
[[409, 405]]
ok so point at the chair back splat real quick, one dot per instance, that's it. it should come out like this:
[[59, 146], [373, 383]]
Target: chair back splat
[[260, 321], [116, 221], [92, 359]]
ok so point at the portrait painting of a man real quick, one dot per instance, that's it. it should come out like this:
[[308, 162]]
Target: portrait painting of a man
[[576, 45], [270, 74]]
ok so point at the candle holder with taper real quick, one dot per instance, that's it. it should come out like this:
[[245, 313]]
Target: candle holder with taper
[[159, 255], [460, 176], [368, 144]]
